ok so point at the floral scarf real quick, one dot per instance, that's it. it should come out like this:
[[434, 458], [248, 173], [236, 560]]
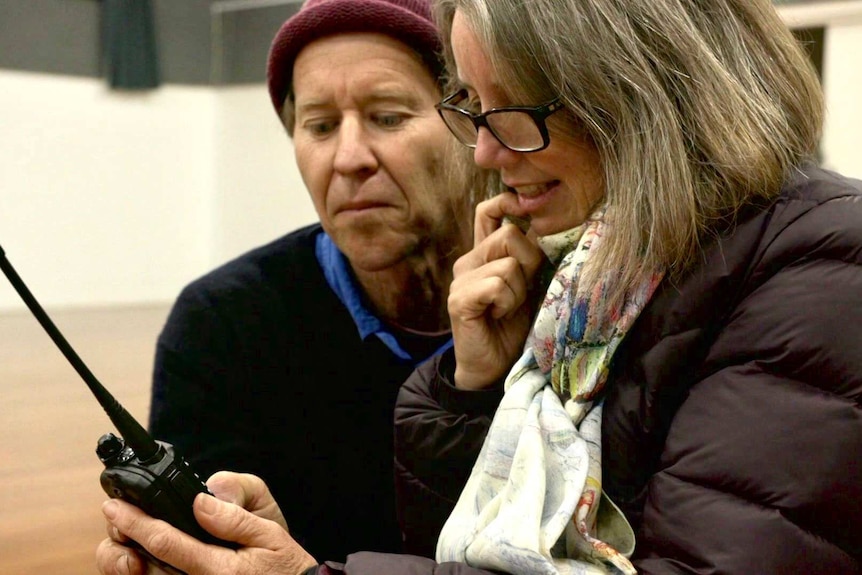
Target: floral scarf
[[532, 502]]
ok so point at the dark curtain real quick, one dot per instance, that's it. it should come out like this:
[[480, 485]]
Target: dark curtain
[[129, 44]]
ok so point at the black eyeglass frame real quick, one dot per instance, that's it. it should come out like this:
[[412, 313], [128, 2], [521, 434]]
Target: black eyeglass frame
[[536, 113]]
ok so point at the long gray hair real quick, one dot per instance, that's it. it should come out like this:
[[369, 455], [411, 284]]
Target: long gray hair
[[696, 107]]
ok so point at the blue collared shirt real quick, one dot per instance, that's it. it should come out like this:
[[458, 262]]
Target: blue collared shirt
[[340, 279]]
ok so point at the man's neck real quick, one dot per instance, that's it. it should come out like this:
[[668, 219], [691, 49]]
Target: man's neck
[[411, 295]]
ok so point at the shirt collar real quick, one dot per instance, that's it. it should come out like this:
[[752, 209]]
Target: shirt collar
[[340, 278]]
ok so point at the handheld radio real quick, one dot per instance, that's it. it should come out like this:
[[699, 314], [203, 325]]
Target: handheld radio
[[147, 473]]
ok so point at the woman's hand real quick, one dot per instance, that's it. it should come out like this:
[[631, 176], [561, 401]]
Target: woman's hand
[[490, 304], [248, 515]]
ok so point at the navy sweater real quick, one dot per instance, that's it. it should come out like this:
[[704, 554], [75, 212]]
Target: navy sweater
[[260, 369]]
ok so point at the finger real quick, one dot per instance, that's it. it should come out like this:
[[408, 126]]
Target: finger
[[227, 486], [510, 241], [113, 558], [506, 242], [114, 533], [490, 296], [491, 214], [249, 492], [498, 288], [162, 541], [233, 523], [111, 508]]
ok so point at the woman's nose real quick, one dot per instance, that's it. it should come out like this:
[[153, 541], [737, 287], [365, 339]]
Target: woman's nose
[[490, 153]]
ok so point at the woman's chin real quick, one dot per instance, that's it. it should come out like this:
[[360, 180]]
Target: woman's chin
[[549, 226]]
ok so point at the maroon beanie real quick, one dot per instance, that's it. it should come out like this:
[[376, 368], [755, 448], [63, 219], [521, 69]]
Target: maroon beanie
[[409, 21]]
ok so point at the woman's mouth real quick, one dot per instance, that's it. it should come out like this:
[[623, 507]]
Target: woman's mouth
[[534, 196]]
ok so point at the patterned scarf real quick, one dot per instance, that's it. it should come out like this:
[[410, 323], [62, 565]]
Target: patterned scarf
[[532, 502]]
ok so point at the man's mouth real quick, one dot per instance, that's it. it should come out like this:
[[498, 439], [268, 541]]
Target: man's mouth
[[361, 206]]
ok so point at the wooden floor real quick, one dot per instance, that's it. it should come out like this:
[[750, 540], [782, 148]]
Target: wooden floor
[[50, 522]]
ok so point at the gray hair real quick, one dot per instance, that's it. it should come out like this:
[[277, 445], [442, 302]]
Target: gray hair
[[697, 108]]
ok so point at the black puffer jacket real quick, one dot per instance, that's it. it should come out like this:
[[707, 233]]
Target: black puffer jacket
[[732, 432]]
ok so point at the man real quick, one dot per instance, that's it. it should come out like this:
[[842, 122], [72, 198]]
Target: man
[[286, 362]]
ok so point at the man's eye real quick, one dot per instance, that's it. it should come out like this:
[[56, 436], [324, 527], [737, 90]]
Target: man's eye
[[321, 127], [388, 120]]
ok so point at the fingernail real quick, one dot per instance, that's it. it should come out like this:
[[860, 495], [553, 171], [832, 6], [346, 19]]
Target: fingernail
[[123, 567], [208, 504], [110, 508]]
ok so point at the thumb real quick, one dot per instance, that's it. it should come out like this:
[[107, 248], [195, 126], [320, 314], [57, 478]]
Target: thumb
[[249, 492], [226, 486], [233, 523]]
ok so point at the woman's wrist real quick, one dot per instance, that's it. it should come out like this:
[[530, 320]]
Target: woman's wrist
[[467, 380]]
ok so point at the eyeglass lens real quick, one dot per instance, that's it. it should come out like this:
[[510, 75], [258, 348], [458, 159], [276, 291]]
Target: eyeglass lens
[[515, 129]]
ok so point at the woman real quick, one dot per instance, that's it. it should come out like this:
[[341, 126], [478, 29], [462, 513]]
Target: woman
[[684, 361], [660, 152]]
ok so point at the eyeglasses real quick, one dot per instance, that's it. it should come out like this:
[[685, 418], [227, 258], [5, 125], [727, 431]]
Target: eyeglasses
[[518, 128]]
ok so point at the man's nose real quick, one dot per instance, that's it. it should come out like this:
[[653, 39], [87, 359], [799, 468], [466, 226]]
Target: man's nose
[[354, 153]]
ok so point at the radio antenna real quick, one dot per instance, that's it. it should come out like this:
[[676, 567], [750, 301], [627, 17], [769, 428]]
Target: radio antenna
[[135, 435]]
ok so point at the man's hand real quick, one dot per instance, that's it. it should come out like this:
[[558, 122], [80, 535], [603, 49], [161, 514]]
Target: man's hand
[[249, 492], [490, 307], [249, 517]]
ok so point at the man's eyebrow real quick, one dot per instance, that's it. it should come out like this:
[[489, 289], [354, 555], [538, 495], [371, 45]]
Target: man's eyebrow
[[408, 98], [309, 105], [312, 104], [399, 96]]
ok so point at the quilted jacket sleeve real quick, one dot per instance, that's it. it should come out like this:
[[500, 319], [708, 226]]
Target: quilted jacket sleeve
[[761, 470], [439, 431], [367, 563]]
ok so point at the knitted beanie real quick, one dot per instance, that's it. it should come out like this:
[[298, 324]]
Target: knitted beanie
[[409, 21]]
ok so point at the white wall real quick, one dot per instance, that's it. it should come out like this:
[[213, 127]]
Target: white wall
[[103, 195], [112, 198], [842, 77], [259, 193], [116, 197]]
